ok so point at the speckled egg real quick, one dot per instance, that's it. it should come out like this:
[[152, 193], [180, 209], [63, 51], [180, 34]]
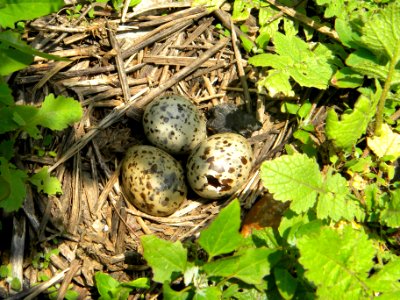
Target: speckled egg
[[174, 124], [153, 180], [219, 165]]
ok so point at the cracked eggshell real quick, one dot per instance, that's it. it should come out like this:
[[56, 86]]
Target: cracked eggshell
[[219, 165], [174, 124], [153, 180]]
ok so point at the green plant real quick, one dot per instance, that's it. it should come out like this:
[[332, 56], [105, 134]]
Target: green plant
[[42, 259], [110, 288], [6, 273], [19, 121], [306, 257]]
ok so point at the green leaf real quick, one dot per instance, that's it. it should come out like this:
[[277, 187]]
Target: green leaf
[[391, 214], [140, 283], [366, 63], [295, 59], [55, 113], [346, 132], [12, 11], [167, 260], [222, 236], [46, 183], [265, 237], [347, 78], [250, 266], [12, 118], [5, 271], [13, 60], [5, 189], [7, 149], [106, 285], [58, 113], [386, 280], [338, 262], [170, 294], [12, 42], [296, 177], [16, 181], [277, 82], [285, 282], [293, 226], [347, 34], [208, 293], [242, 9], [387, 144], [16, 284], [334, 202], [381, 33], [333, 8], [6, 97]]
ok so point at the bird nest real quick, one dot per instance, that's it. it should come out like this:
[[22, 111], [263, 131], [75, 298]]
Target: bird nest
[[115, 67]]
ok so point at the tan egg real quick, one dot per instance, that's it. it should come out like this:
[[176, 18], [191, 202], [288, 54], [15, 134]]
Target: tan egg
[[174, 124], [219, 165], [153, 180]]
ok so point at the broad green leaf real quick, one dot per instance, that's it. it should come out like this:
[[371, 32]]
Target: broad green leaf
[[12, 11], [391, 214], [55, 113], [58, 113], [7, 149], [347, 34], [250, 266], [295, 59], [167, 260], [366, 63], [170, 294], [241, 10], [386, 280], [6, 97], [333, 8], [381, 33], [45, 182], [346, 78], [293, 227], [265, 237], [334, 201], [338, 262], [270, 60], [208, 293], [296, 177], [12, 41], [277, 82], [5, 189], [285, 282], [346, 132], [140, 283], [223, 236], [106, 285], [13, 60], [15, 179], [387, 144]]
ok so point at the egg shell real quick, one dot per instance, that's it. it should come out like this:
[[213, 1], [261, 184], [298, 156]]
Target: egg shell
[[174, 124], [153, 180], [219, 165]]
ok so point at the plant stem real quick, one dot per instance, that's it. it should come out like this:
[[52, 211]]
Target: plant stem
[[381, 105]]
